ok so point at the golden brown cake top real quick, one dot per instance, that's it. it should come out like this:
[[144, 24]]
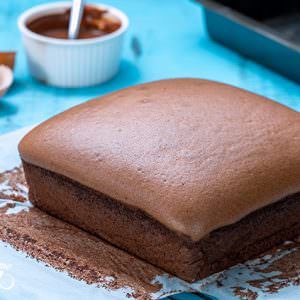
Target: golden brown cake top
[[195, 155]]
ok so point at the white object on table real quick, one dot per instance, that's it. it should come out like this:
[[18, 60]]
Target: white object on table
[[72, 63], [6, 79]]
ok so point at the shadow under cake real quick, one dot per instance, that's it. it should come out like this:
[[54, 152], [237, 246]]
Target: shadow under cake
[[191, 175]]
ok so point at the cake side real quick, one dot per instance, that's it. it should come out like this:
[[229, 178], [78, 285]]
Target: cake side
[[136, 232], [176, 149]]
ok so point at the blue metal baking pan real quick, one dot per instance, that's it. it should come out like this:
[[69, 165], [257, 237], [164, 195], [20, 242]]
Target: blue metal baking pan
[[265, 31]]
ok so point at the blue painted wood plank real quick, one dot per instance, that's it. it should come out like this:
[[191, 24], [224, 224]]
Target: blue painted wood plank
[[166, 39]]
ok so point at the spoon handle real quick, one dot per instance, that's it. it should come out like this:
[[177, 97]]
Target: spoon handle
[[75, 18]]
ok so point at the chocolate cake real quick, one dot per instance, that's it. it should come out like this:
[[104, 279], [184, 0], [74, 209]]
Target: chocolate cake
[[191, 175]]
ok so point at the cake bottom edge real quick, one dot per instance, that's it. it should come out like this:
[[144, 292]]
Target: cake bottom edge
[[137, 233]]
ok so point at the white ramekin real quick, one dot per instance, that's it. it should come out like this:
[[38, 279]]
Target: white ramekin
[[71, 63]]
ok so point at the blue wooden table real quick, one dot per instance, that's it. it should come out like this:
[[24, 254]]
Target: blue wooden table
[[167, 38]]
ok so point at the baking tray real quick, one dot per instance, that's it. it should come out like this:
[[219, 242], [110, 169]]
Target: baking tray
[[265, 31]]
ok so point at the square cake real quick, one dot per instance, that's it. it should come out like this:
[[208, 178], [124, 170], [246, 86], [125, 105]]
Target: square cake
[[190, 175]]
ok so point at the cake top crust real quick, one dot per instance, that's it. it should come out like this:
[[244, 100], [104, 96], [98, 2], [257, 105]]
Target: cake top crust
[[193, 154]]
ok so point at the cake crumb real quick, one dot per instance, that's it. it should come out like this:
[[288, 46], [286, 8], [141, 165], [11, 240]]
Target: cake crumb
[[245, 294], [13, 185], [286, 270]]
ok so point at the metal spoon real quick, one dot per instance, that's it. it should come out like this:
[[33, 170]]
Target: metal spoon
[[75, 18]]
